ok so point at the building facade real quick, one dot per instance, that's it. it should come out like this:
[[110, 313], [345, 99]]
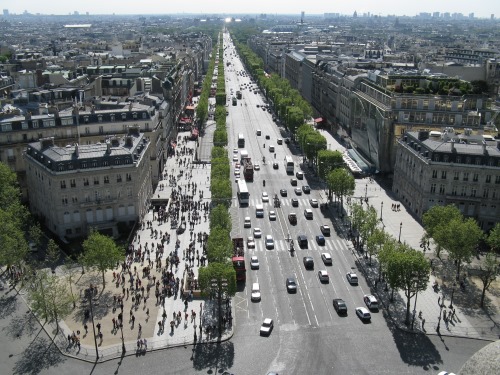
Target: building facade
[[441, 168], [106, 186]]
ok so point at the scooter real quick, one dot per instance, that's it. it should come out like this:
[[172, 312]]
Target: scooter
[[263, 182]]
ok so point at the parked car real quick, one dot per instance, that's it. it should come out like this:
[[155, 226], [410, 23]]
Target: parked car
[[371, 301]]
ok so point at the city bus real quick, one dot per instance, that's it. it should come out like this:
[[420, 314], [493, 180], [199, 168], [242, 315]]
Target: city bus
[[241, 141], [289, 165], [243, 194]]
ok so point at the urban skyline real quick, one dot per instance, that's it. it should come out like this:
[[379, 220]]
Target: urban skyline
[[484, 9]]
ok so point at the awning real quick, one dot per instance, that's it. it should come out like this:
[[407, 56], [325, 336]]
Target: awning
[[319, 119], [189, 108]]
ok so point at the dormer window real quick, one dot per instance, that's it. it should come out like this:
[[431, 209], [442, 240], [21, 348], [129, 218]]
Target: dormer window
[[134, 115], [99, 118], [124, 116]]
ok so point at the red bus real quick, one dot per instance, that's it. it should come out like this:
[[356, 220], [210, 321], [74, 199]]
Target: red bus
[[239, 267]]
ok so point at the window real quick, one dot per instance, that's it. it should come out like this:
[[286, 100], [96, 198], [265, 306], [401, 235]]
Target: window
[[446, 158], [64, 200], [486, 192], [463, 193], [475, 178], [443, 175], [433, 188], [72, 183], [441, 189], [69, 231], [101, 129], [63, 184], [473, 192], [74, 199], [118, 178], [106, 179], [85, 181], [96, 180], [459, 159], [129, 177], [87, 130], [466, 176], [478, 161], [488, 178], [434, 174], [456, 176], [453, 190], [129, 192], [436, 157], [497, 180]]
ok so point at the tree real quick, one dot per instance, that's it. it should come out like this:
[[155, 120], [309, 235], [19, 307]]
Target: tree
[[493, 238], [219, 216], [460, 237], [35, 234], [370, 221], [71, 269], [408, 270], [375, 241], [328, 160], [101, 253], [341, 182], [489, 271], [218, 280], [52, 253], [49, 297], [219, 245], [438, 217]]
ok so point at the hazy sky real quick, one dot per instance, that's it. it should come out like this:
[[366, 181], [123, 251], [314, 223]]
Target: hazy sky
[[481, 8]]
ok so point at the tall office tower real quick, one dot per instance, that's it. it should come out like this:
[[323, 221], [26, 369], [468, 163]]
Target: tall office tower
[[492, 17], [435, 14], [471, 15], [6, 12]]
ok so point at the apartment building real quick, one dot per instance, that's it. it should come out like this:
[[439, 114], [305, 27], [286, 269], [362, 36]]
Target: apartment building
[[106, 186], [441, 168]]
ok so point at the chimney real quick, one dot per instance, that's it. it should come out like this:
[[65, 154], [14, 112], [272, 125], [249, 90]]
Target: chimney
[[76, 149], [108, 147], [452, 146], [27, 116], [484, 148]]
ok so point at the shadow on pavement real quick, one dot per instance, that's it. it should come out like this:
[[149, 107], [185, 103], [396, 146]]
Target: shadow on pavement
[[213, 357], [40, 355], [8, 305], [414, 349], [22, 325]]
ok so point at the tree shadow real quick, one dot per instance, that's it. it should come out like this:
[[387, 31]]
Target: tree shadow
[[214, 357], [21, 325], [8, 306], [40, 355]]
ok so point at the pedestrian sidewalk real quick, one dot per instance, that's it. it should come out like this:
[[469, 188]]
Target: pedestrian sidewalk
[[469, 319], [149, 314]]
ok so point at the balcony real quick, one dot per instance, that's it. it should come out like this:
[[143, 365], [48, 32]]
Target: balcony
[[98, 202]]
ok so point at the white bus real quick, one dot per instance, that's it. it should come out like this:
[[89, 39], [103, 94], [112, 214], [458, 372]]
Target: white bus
[[243, 194], [289, 165]]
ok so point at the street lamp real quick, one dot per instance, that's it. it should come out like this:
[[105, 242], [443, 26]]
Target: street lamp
[[400, 227], [123, 341], [452, 293], [381, 208], [366, 192], [441, 305], [415, 305], [88, 294]]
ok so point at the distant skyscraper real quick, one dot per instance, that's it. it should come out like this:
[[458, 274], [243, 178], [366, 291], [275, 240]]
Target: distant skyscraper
[[435, 14], [471, 15], [492, 16], [6, 12]]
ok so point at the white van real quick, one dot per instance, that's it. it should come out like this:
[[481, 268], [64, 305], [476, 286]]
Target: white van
[[255, 292], [259, 210]]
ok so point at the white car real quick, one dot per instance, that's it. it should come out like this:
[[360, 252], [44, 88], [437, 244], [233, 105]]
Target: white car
[[257, 233], [266, 327], [363, 313], [265, 197], [370, 301], [235, 157], [248, 222], [254, 263], [251, 242], [235, 150], [272, 215], [256, 166], [352, 278], [327, 258], [269, 242], [237, 172]]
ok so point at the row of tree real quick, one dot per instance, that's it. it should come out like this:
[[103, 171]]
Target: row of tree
[[218, 278]]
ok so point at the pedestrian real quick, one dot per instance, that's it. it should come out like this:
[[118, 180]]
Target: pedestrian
[[86, 328], [140, 328], [100, 336], [98, 327], [145, 343], [138, 344], [78, 344]]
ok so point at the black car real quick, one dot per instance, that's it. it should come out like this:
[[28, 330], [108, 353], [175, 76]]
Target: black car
[[283, 192], [287, 140], [302, 241], [308, 263], [293, 181], [275, 165], [306, 189], [268, 137], [339, 306], [295, 202], [320, 240], [291, 285]]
